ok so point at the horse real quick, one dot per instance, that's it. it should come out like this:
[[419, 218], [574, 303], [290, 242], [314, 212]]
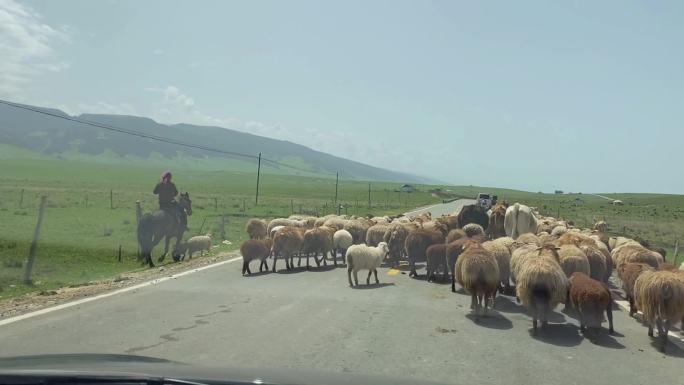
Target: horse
[[162, 224]]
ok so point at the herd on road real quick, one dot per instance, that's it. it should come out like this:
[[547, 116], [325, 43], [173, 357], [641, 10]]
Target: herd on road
[[510, 250]]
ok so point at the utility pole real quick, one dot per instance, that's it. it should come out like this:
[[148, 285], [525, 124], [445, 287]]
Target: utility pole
[[337, 180], [369, 197], [256, 200]]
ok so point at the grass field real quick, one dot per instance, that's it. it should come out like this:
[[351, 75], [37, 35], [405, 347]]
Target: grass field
[[81, 234]]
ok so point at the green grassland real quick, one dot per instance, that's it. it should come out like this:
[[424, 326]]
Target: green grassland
[[81, 234]]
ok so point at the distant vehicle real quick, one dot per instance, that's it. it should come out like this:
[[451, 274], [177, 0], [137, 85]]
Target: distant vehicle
[[484, 200]]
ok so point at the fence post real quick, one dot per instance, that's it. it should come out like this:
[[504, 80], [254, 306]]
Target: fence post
[[215, 204], [223, 227], [120, 253], [111, 200], [86, 201], [34, 244], [292, 205], [138, 212], [676, 252], [202, 226], [21, 199]]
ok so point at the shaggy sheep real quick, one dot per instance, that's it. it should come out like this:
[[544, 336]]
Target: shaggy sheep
[[558, 231], [520, 256], [342, 239], [519, 219], [597, 261], [436, 259], [601, 226], [478, 273], [455, 234], [496, 221], [286, 243], [317, 241], [541, 285], [590, 298], [396, 242], [453, 251], [502, 254], [529, 238], [572, 259], [473, 230], [197, 243], [660, 297], [336, 223], [256, 228], [357, 229], [283, 222], [416, 245], [375, 234], [362, 257], [632, 252], [628, 273], [274, 230], [450, 221], [255, 249]]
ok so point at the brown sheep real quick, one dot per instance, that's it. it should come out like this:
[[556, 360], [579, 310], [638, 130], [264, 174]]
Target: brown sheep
[[436, 259], [496, 221], [597, 261], [256, 228], [478, 273], [357, 229], [416, 245], [317, 241], [396, 242], [660, 297], [375, 234], [628, 273], [635, 253], [591, 298], [541, 285], [286, 243], [252, 249], [450, 221], [473, 230]]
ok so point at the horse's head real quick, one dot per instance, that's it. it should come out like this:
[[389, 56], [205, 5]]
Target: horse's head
[[185, 202]]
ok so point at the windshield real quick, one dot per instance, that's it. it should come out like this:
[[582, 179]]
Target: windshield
[[298, 186]]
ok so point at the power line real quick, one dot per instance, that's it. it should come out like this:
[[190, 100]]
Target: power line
[[150, 136]]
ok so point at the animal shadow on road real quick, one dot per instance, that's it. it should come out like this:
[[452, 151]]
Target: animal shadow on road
[[508, 305], [558, 334], [363, 286], [493, 320], [603, 339], [257, 273], [671, 350], [322, 267]]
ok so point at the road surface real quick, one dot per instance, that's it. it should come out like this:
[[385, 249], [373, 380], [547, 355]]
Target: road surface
[[442, 208], [404, 328]]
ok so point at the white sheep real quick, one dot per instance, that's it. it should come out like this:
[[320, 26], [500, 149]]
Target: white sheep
[[362, 257], [196, 243], [274, 231], [342, 239]]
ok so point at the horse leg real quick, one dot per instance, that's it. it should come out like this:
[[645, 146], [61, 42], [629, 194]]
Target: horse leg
[[166, 249]]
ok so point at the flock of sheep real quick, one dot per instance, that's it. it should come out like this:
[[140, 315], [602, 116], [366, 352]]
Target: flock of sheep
[[548, 260]]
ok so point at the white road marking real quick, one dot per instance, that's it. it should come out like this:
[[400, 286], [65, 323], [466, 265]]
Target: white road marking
[[111, 293], [677, 340]]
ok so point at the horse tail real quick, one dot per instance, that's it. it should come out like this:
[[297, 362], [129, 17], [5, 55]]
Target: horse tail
[[145, 239]]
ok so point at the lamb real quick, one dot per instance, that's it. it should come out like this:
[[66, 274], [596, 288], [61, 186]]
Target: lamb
[[416, 245], [286, 243], [453, 251], [342, 239], [660, 297], [194, 244], [256, 228], [317, 241], [502, 254], [591, 298], [362, 257], [572, 259], [375, 234], [541, 285], [253, 249], [436, 259], [478, 273], [473, 230], [628, 273]]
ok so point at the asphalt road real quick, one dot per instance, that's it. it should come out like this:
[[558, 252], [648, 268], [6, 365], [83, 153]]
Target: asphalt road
[[442, 209], [404, 328]]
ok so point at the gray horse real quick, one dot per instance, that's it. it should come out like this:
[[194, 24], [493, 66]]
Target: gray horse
[[162, 224]]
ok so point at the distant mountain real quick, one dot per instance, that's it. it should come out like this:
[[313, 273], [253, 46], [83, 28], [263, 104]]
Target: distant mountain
[[54, 136]]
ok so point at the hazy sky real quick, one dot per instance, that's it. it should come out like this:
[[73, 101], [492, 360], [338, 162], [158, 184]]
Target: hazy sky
[[539, 95]]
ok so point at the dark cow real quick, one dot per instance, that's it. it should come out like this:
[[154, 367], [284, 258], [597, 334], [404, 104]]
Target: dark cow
[[473, 214]]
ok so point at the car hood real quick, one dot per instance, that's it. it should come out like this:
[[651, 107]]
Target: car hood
[[115, 365]]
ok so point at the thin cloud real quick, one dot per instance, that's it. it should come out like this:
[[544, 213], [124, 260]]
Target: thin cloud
[[26, 47], [158, 52]]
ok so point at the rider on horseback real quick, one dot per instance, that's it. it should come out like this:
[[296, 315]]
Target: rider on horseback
[[167, 198]]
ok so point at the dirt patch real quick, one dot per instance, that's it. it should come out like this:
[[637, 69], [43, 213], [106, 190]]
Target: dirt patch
[[42, 299]]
